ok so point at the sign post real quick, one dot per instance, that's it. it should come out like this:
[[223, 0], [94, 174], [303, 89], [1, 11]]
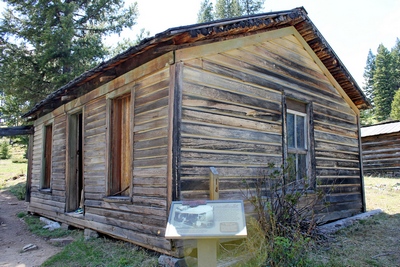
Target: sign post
[[207, 222]]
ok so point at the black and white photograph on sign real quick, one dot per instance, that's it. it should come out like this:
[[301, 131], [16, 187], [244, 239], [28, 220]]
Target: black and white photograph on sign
[[201, 216]]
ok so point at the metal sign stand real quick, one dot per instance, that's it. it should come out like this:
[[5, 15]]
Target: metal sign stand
[[207, 252], [207, 221]]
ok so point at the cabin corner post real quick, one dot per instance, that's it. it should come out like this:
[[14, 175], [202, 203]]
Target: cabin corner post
[[171, 106], [176, 129], [363, 202]]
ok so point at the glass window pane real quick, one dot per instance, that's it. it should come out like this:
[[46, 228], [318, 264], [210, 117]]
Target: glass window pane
[[290, 130], [291, 165], [300, 132], [302, 166]]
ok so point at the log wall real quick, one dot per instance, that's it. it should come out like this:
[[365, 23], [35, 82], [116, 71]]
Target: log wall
[[381, 155], [217, 105], [54, 200], [232, 120], [143, 218]]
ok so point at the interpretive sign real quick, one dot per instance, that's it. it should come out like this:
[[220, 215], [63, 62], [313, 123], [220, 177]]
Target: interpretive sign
[[206, 219]]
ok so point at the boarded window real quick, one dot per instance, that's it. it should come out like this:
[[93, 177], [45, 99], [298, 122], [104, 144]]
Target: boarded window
[[120, 156], [297, 140], [48, 141]]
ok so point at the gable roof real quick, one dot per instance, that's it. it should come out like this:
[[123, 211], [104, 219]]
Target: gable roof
[[383, 128], [203, 33]]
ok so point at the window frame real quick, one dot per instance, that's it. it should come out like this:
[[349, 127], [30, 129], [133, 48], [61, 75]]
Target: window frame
[[75, 161], [47, 153], [299, 107], [296, 150], [111, 102]]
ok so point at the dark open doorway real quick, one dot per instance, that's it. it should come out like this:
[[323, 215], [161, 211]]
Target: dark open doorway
[[75, 165]]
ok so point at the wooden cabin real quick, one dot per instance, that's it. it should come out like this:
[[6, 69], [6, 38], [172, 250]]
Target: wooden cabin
[[381, 149], [141, 130]]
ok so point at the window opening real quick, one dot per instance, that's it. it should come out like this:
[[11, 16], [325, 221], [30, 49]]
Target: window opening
[[48, 141], [120, 156], [297, 144]]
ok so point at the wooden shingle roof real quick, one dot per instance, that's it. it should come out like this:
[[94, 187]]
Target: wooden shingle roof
[[197, 34]]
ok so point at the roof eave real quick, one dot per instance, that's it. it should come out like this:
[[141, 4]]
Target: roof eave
[[187, 35]]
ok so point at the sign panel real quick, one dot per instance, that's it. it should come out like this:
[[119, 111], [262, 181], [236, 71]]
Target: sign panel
[[206, 219]]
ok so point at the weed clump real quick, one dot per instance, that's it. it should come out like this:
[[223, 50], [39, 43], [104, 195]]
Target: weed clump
[[285, 222]]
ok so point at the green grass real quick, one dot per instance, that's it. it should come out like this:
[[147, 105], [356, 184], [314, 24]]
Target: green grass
[[13, 178], [13, 172], [101, 252], [18, 190], [10, 172], [36, 227], [92, 252]]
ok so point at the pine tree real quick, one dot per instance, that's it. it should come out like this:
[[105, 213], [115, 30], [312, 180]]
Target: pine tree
[[227, 9], [250, 7], [367, 116], [45, 44], [395, 113], [369, 72], [384, 86], [395, 108], [205, 13], [395, 53]]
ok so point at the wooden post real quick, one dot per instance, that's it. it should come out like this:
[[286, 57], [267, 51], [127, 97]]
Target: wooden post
[[29, 170], [207, 252], [214, 184], [210, 246]]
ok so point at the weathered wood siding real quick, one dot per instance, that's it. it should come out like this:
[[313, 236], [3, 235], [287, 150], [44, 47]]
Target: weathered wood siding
[[217, 105], [381, 154], [232, 120], [143, 219], [53, 201], [94, 147]]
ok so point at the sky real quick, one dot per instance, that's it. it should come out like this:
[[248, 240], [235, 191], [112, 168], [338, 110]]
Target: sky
[[351, 27]]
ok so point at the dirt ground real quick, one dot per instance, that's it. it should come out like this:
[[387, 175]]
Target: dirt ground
[[14, 236]]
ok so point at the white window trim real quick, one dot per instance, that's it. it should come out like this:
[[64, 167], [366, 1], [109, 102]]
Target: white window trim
[[296, 150]]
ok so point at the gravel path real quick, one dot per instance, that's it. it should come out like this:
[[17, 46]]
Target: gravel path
[[14, 236]]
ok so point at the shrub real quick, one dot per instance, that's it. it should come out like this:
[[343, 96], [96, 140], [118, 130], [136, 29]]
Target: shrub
[[283, 208], [18, 190], [285, 214], [21, 214], [4, 150], [16, 160]]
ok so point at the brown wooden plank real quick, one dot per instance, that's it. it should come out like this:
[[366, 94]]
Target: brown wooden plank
[[222, 83], [230, 145], [227, 120], [213, 131]]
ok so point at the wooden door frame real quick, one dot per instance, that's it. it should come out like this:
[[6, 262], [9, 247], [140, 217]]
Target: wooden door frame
[[74, 180]]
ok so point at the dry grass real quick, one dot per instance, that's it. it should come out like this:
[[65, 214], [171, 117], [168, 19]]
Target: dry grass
[[371, 242], [383, 193], [11, 173]]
